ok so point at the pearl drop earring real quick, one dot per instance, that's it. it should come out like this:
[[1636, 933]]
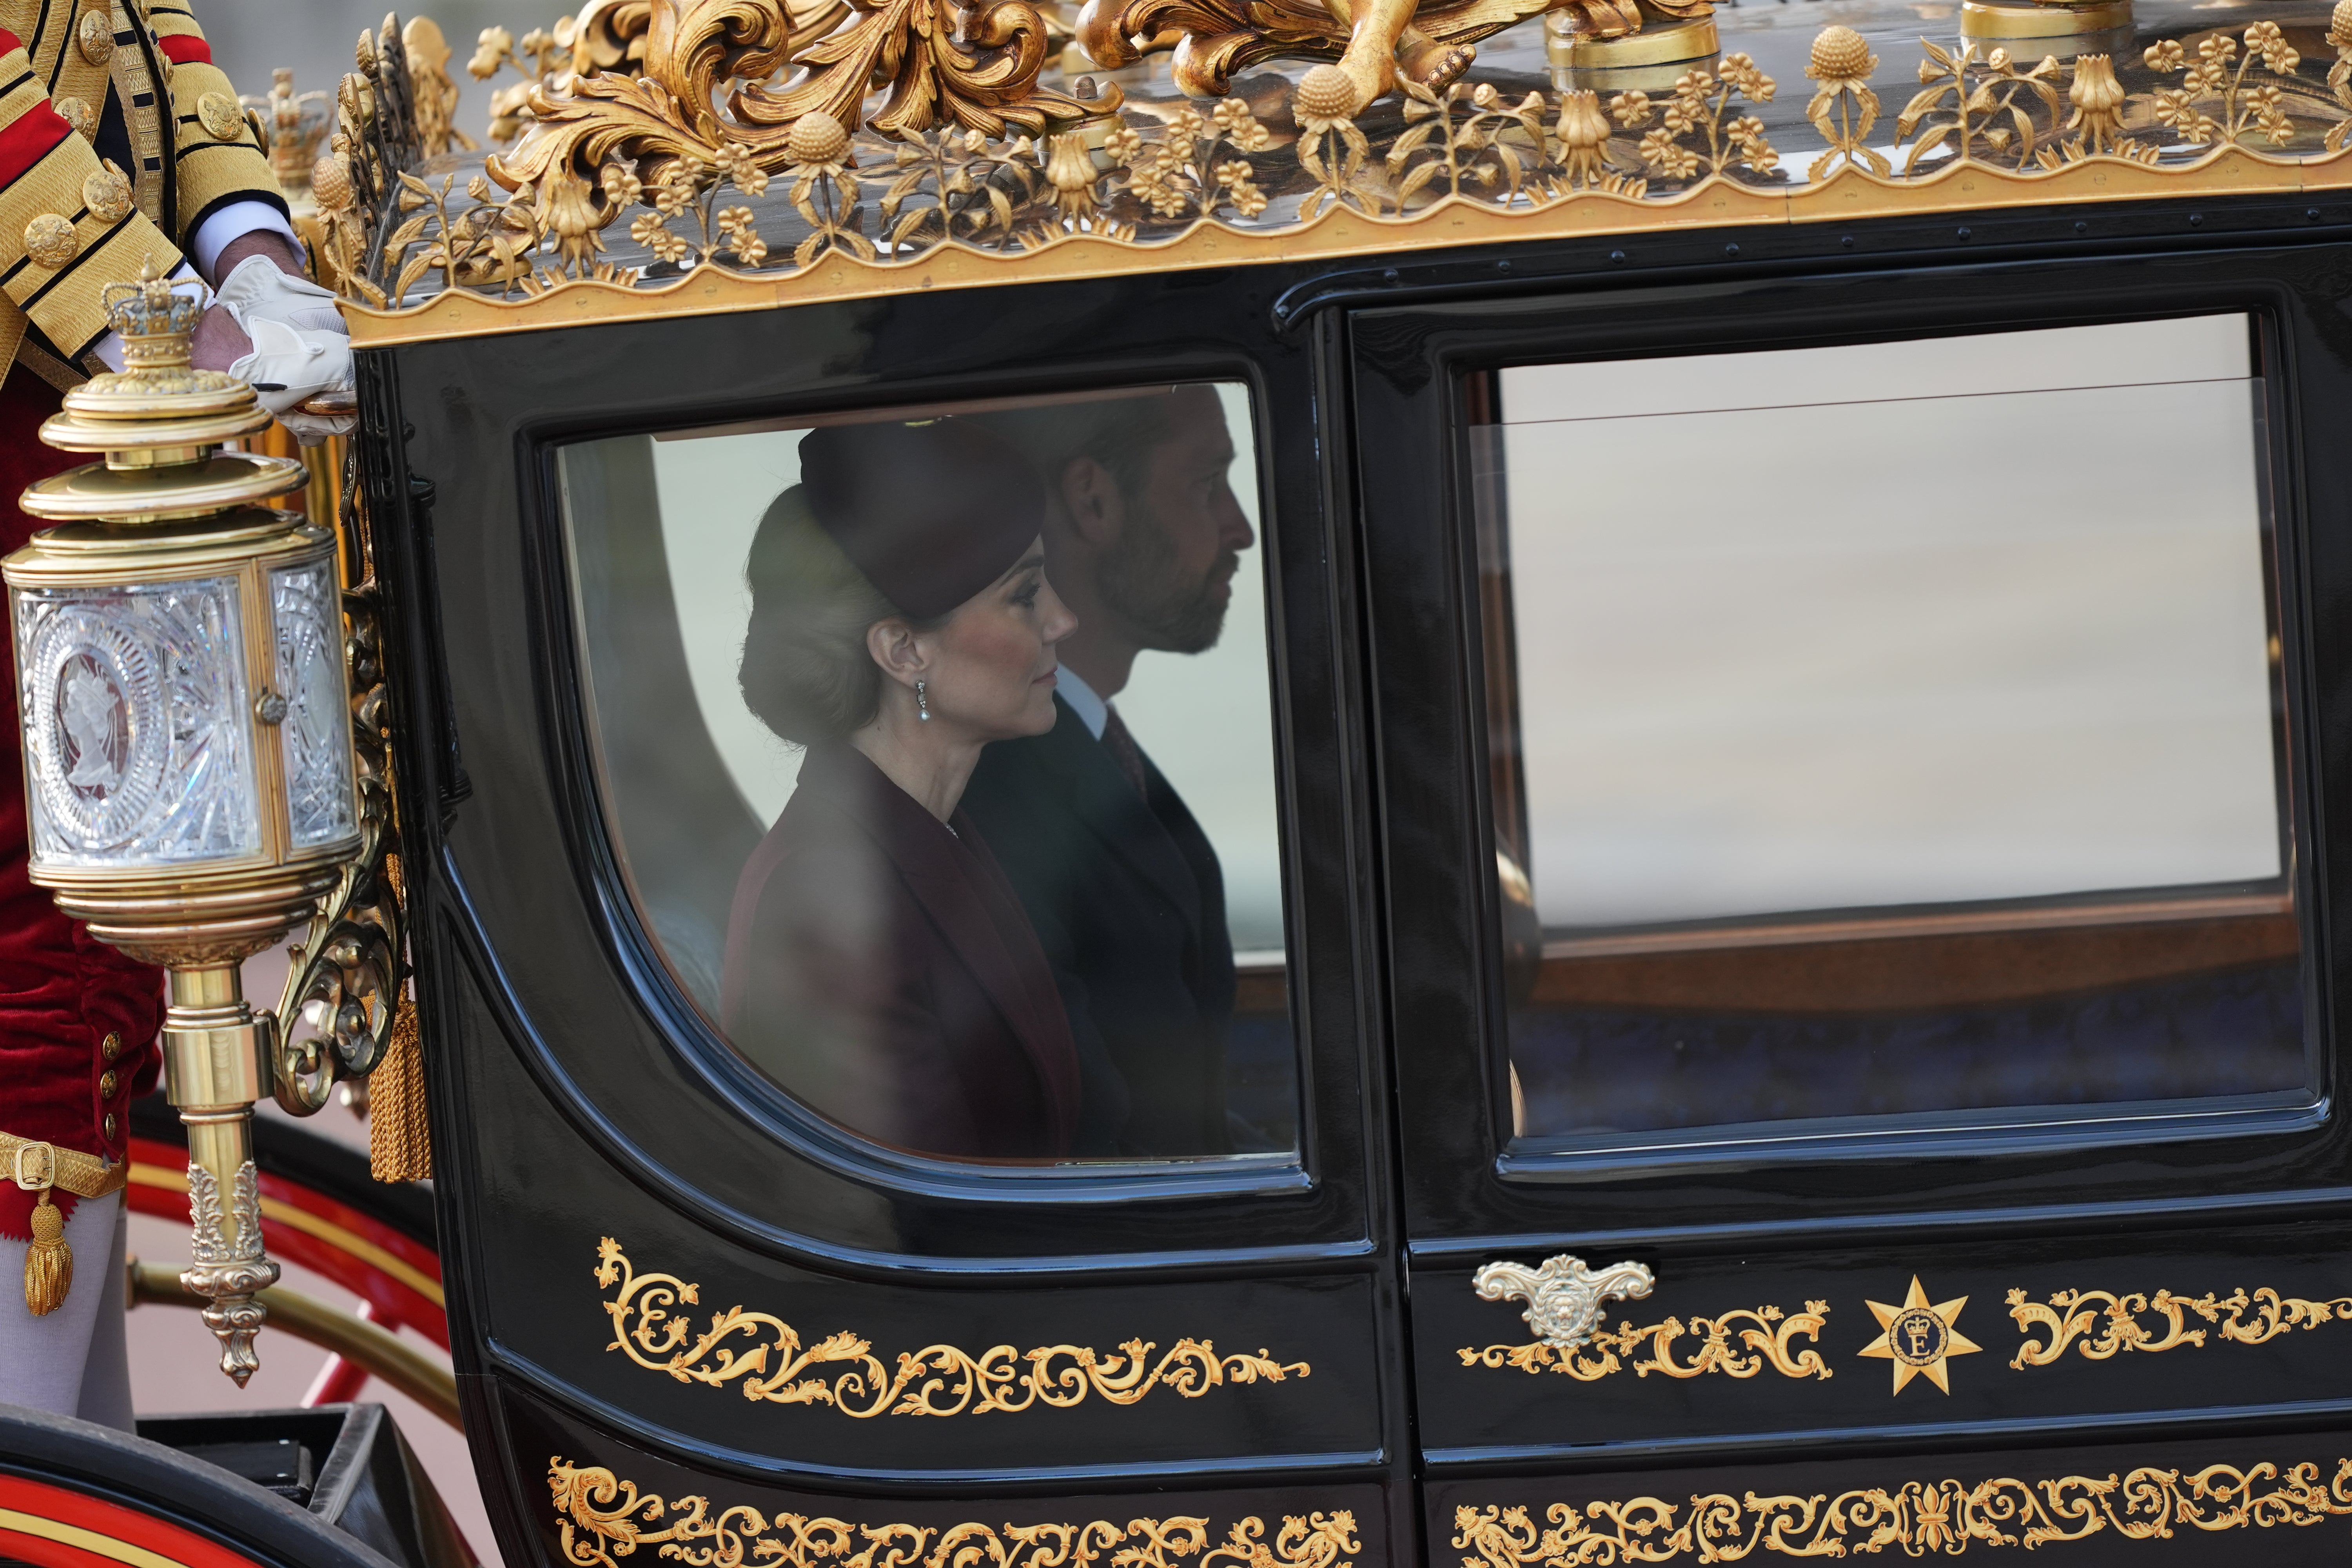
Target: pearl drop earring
[[923, 704]]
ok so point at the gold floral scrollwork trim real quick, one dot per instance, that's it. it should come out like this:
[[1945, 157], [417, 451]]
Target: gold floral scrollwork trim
[[1917, 1517], [2072, 1315], [764, 1357], [1768, 1342], [936, 103], [600, 1517]]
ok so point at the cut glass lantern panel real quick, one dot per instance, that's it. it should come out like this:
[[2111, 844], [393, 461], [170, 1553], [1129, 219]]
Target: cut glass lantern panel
[[316, 731], [136, 702]]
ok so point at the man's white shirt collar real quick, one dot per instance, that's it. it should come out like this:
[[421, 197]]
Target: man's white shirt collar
[[1091, 710]]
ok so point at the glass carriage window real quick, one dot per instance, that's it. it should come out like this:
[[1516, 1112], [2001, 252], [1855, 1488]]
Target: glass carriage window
[[937, 748], [1888, 732]]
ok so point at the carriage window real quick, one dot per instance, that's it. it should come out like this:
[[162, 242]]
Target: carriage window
[[937, 747], [1889, 736]]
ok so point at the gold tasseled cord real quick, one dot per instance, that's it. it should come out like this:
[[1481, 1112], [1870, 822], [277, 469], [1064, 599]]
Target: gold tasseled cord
[[400, 1143], [48, 1262]]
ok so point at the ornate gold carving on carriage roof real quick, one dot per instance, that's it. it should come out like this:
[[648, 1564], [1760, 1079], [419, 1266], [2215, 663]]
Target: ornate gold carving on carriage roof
[[765, 1358], [600, 1517], [1944, 1517], [2100, 1324], [951, 174], [1766, 1334]]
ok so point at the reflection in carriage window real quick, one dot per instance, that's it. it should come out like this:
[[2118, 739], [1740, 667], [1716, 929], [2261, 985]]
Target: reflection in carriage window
[[1892, 732], [937, 746]]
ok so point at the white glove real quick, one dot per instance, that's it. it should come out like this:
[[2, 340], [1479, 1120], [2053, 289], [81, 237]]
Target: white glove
[[301, 346]]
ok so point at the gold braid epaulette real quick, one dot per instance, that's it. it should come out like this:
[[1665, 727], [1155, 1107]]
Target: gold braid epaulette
[[48, 1261]]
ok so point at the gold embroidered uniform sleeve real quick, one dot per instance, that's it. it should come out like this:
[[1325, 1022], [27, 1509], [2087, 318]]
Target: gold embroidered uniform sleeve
[[68, 227], [217, 158]]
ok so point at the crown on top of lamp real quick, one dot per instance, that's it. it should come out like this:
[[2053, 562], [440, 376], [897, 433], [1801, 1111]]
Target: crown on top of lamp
[[157, 389], [154, 315]]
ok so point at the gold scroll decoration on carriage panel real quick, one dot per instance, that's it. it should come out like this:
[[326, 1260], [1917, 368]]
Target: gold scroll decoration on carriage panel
[[2099, 1325], [1565, 1297], [1936, 1516], [599, 1516], [618, 202], [767, 1362]]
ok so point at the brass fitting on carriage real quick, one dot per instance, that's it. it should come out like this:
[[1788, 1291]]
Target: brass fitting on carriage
[[189, 766], [219, 1057]]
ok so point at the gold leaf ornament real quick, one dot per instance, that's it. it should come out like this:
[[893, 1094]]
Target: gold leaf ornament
[[2339, 75], [970, 63], [1584, 133], [1070, 170]]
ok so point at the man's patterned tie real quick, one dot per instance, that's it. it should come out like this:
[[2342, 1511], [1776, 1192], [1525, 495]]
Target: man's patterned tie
[[1125, 751]]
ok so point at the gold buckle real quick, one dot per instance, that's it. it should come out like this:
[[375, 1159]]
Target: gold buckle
[[48, 1152]]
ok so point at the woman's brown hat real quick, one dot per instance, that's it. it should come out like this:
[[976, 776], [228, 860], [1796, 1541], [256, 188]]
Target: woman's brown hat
[[932, 513]]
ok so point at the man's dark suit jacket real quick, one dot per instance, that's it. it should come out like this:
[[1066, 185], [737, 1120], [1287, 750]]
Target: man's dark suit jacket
[[1129, 904]]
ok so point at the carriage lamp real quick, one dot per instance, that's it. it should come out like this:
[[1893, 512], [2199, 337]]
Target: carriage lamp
[[188, 762]]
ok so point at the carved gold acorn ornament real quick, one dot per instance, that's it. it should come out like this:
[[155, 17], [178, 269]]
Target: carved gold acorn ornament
[[816, 138], [1325, 93], [1843, 109], [1839, 56], [330, 184]]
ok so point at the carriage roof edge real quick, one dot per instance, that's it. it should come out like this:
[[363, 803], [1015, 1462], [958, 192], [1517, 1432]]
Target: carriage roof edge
[[688, 169]]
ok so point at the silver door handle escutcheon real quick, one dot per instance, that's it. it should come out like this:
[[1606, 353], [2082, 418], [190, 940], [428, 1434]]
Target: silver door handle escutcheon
[[1564, 1296]]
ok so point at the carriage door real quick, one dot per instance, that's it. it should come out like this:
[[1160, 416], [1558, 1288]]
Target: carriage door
[[1853, 787]]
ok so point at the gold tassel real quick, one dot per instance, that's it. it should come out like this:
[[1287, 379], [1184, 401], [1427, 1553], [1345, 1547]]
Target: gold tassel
[[48, 1262], [400, 1142]]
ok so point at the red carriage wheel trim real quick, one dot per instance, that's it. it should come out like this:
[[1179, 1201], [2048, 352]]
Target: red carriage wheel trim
[[56, 1527]]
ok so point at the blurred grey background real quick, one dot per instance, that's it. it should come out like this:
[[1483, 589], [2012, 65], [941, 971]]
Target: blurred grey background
[[252, 37]]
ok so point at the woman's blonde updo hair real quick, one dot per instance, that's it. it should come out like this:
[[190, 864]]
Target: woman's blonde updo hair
[[807, 672], [890, 518]]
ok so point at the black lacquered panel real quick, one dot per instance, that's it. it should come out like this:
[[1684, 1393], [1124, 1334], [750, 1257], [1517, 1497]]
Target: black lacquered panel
[[594, 1288], [1756, 1345], [596, 1500]]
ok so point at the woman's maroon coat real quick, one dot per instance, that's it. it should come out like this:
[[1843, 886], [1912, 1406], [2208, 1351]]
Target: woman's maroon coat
[[880, 967]]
